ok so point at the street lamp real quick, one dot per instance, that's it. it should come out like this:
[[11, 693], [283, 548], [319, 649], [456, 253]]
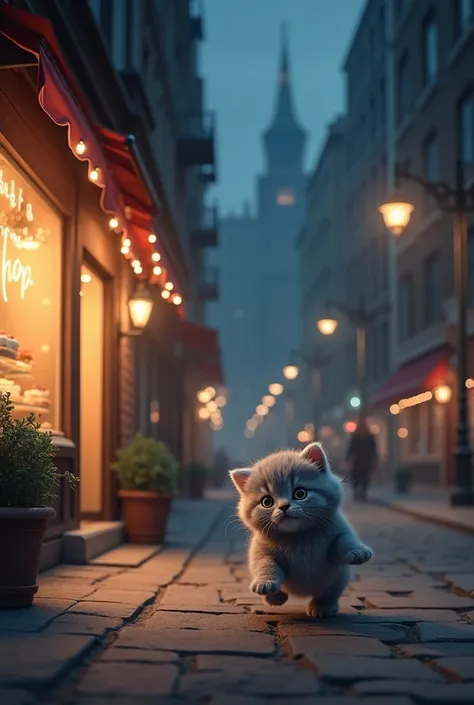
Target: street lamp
[[459, 201], [361, 318]]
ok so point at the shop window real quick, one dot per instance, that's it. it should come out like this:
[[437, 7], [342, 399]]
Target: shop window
[[30, 297]]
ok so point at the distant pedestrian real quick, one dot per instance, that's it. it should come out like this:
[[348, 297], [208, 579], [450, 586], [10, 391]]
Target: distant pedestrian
[[362, 459]]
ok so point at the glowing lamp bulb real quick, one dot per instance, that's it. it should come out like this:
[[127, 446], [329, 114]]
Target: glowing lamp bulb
[[396, 214], [135, 263], [443, 393], [156, 257], [262, 410], [127, 242], [113, 223], [138, 270], [291, 371], [269, 400], [81, 147], [157, 271], [204, 395], [140, 306], [276, 389], [165, 294], [152, 238], [125, 250], [169, 286], [177, 300], [204, 413], [327, 326], [94, 174]]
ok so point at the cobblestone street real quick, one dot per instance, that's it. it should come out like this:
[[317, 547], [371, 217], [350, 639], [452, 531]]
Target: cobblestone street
[[183, 627]]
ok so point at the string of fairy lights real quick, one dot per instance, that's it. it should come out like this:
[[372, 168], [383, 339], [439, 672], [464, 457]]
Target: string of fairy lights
[[211, 403], [159, 274]]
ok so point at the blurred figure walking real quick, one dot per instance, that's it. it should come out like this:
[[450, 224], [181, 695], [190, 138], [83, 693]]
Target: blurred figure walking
[[362, 459]]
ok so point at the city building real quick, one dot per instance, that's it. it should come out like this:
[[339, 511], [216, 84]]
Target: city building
[[433, 103], [271, 319], [409, 102], [345, 242], [91, 237]]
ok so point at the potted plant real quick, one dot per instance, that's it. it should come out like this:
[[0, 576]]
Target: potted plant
[[197, 474], [403, 480], [148, 476], [28, 477]]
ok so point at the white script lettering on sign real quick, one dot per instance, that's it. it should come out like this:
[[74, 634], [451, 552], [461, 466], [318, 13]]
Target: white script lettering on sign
[[13, 271]]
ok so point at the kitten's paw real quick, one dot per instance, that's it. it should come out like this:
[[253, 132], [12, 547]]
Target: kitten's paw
[[264, 587], [323, 610], [356, 555], [276, 599]]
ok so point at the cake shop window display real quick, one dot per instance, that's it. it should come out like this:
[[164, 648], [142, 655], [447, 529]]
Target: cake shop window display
[[30, 297]]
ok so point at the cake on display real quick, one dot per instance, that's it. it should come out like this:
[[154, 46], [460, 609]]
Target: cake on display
[[37, 396], [9, 345], [7, 386]]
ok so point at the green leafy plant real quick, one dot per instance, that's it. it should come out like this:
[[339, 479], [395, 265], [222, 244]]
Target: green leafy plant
[[28, 475], [146, 464]]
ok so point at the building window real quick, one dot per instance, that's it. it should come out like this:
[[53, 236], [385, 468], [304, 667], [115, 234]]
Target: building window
[[430, 166], [432, 283], [406, 308], [30, 297], [466, 127], [463, 17], [403, 88], [285, 197], [430, 49]]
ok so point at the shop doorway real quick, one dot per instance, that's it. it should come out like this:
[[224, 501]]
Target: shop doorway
[[92, 393]]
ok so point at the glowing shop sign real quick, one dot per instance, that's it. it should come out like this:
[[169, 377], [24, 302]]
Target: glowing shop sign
[[13, 271]]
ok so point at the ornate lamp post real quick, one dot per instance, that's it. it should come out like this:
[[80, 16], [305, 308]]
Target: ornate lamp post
[[459, 201], [361, 318]]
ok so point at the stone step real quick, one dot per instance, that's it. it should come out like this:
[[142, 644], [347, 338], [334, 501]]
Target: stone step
[[92, 539]]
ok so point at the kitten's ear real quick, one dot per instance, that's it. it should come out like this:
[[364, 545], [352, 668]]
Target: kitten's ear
[[239, 477], [315, 454]]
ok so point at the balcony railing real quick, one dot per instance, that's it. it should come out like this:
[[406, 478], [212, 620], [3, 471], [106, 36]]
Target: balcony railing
[[204, 228], [209, 284], [196, 139]]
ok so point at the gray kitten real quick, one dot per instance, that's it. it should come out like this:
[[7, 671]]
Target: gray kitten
[[302, 544]]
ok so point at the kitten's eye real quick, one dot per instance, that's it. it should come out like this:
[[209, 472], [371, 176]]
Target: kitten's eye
[[267, 501], [300, 493]]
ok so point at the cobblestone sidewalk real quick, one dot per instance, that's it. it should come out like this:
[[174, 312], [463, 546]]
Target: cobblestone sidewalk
[[183, 628]]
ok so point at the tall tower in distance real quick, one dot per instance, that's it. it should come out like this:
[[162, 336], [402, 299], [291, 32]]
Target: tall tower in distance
[[258, 314], [281, 207]]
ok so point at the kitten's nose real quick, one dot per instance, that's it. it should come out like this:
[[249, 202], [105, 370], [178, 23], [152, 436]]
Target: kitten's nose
[[283, 506]]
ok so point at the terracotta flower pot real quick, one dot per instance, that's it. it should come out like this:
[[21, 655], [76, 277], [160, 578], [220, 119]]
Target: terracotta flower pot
[[145, 515], [21, 539]]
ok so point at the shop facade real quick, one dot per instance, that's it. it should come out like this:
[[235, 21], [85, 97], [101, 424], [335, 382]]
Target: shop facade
[[77, 226]]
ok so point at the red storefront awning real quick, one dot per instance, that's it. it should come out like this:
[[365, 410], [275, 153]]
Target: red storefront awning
[[202, 350], [123, 193], [419, 375]]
